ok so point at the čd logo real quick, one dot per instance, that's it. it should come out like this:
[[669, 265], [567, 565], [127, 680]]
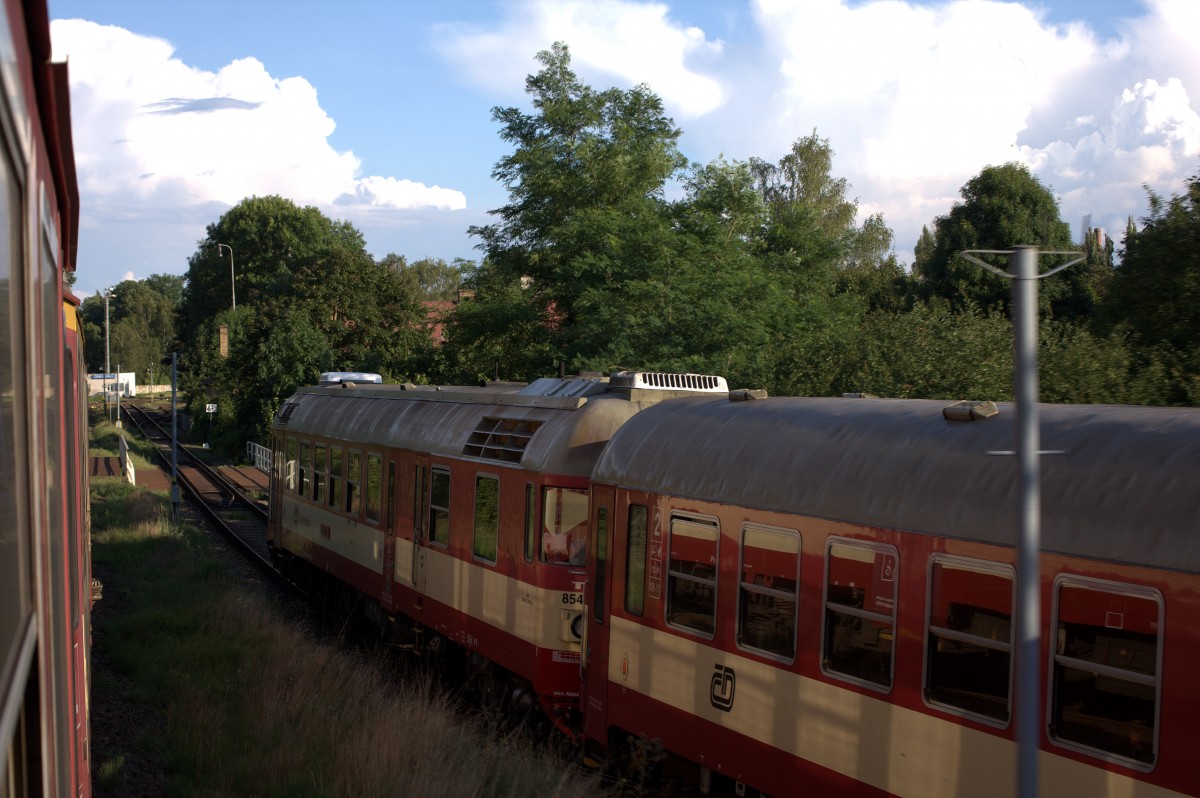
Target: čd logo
[[723, 684]]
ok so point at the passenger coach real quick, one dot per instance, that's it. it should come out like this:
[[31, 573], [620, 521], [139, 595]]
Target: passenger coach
[[458, 513], [815, 596]]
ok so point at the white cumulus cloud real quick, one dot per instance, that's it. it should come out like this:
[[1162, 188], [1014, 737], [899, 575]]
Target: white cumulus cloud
[[152, 133], [631, 42]]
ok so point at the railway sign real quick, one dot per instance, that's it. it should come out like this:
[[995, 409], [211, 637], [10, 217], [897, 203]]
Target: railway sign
[[210, 408]]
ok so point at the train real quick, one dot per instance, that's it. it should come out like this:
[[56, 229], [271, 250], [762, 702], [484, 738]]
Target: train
[[45, 571], [773, 595]]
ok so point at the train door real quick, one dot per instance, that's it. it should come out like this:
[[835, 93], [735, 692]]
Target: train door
[[420, 477], [595, 642], [390, 502]]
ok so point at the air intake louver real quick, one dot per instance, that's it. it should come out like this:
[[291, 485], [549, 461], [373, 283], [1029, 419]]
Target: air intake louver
[[501, 439], [285, 412]]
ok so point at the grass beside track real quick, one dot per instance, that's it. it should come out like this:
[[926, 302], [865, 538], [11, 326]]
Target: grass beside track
[[252, 705]]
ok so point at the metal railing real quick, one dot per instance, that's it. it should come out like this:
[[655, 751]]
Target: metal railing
[[127, 469], [260, 456]]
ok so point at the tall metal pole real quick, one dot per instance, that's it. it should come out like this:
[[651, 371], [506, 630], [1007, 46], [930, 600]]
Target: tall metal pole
[[107, 370], [118, 424], [232, 288], [1023, 271], [174, 445], [1023, 265]]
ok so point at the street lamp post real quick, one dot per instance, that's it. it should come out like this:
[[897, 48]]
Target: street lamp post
[[232, 288], [107, 371]]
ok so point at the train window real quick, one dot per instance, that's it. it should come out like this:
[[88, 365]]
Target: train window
[[767, 592], [439, 506], [692, 575], [1107, 660], [335, 477], [374, 476], [564, 525], [391, 498], [968, 655], [487, 517], [353, 481], [599, 608], [860, 612], [305, 487], [289, 469], [635, 561], [530, 522], [318, 491]]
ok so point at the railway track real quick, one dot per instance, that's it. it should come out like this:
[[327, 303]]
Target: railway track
[[235, 503]]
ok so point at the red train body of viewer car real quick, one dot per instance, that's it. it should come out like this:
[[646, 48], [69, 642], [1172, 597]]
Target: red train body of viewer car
[[794, 596], [45, 575]]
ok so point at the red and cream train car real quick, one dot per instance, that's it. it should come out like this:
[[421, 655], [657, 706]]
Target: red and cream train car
[[459, 513], [815, 596], [45, 578]]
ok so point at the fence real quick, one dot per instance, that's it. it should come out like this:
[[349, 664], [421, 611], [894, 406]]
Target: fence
[[260, 456]]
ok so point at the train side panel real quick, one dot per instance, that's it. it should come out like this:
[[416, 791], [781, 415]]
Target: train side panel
[[797, 653], [44, 555]]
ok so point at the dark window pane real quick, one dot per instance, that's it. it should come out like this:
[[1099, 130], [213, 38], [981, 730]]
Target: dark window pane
[[487, 517], [858, 647], [969, 676], [691, 576], [635, 561], [439, 507], [767, 594], [1106, 670], [374, 486]]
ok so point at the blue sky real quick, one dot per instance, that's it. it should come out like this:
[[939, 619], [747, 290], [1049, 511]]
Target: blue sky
[[380, 112]]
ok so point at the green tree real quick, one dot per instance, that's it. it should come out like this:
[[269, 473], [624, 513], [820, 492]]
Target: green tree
[[1002, 206], [309, 299], [1155, 294], [586, 208], [430, 279]]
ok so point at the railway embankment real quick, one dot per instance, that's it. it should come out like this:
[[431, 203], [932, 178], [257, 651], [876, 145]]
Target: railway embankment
[[206, 681]]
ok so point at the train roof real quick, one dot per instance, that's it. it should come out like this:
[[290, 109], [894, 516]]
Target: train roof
[[1125, 488], [554, 425]]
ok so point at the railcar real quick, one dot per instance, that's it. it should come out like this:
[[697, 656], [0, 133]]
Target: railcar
[[45, 581], [457, 516], [815, 597]]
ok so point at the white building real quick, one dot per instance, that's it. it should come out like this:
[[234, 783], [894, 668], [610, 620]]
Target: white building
[[124, 383]]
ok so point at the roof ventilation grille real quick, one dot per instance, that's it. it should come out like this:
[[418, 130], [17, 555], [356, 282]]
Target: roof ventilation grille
[[666, 381], [502, 439]]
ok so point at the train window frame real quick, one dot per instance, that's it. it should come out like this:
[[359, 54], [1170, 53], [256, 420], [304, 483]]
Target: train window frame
[[304, 489], [637, 607], [573, 547], [291, 464], [674, 575], [744, 587], [531, 522], [1112, 588], [354, 465], [373, 506], [988, 566], [494, 531], [437, 511], [861, 614], [600, 558], [320, 464], [336, 458]]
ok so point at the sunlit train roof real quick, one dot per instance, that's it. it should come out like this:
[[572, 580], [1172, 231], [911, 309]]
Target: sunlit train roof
[[554, 425], [1126, 487]]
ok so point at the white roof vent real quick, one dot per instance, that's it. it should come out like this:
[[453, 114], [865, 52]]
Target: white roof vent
[[665, 381], [337, 377]]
